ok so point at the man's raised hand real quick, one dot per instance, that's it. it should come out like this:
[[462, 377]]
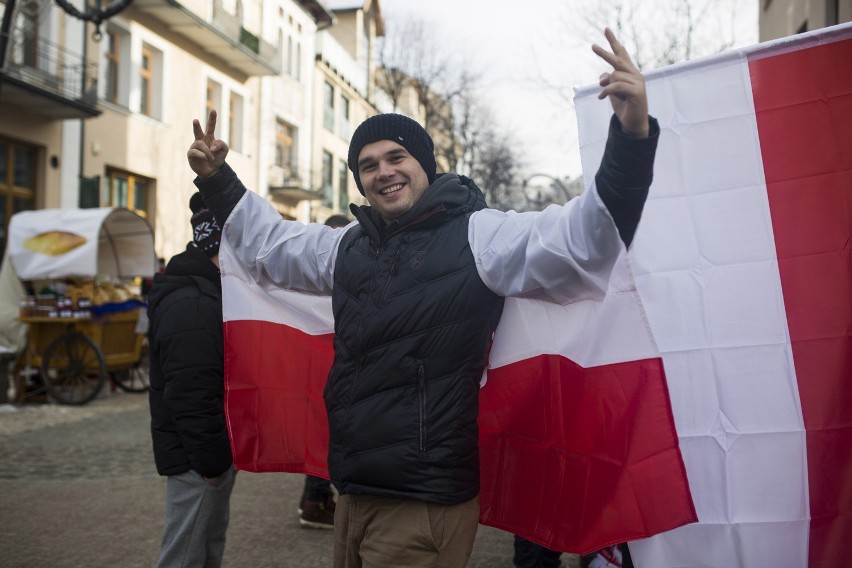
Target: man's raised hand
[[625, 87], [207, 154]]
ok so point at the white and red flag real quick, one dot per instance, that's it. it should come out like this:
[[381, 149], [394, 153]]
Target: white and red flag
[[740, 268], [743, 262]]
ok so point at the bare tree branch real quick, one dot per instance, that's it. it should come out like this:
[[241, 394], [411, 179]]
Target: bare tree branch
[[448, 95]]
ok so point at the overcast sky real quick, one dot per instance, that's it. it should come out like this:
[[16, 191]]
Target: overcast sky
[[511, 41]]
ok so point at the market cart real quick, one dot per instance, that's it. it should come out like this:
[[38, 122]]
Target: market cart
[[91, 326]]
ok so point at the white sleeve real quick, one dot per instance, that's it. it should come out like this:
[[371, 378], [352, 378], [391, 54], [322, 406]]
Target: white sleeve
[[562, 254], [286, 254]]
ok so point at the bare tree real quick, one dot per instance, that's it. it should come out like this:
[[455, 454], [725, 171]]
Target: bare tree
[[412, 62], [489, 155], [448, 95], [667, 31], [655, 33]]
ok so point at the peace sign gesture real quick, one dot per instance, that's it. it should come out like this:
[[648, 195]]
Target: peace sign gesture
[[625, 87], [206, 155]]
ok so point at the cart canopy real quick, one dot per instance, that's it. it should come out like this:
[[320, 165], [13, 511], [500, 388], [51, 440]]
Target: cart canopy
[[58, 243]]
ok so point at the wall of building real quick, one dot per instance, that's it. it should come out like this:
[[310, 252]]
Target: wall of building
[[155, 147], [781, 18], [44, 134]]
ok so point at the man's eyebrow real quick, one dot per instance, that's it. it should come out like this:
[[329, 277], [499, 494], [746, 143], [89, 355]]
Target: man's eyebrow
[[389, 154], [365, 160]]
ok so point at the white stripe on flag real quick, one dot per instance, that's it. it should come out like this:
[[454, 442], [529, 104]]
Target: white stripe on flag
[[247, 301], [588, 333]]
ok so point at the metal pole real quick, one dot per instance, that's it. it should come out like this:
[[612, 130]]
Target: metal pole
[[82, 157]]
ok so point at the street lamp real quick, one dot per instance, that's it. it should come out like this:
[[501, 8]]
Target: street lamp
[[94, 14]]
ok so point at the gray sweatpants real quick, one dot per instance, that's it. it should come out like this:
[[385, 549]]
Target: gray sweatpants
[[196, 520]]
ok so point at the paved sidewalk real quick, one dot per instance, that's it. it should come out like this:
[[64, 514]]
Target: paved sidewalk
[[78, 489]]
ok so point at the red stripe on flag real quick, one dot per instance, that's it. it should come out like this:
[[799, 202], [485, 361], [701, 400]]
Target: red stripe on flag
[[274, 380], [585, 458], [803, 102]]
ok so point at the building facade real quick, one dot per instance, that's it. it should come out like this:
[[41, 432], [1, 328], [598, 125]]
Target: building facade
[[48, 89], [781, 18], [95, 120]]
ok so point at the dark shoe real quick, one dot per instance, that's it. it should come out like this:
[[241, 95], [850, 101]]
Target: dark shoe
[[316, 514], [302, 502]]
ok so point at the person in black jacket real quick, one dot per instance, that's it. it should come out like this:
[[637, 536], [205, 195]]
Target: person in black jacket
[[417, 287], [186, 398]]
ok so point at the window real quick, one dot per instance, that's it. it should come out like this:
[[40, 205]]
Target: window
[[17, 182], [213, 97], [27, 52], [289, 63], [146, 80], [343, 187], [150, 82], [285, 147], [328, 104], [124, 189], [343, 128], [112, 59], [235, 122], [115, 78], [297, 64], [328, 178]]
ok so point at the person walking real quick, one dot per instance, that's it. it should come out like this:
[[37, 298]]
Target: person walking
[[186, 399], [417, 288]]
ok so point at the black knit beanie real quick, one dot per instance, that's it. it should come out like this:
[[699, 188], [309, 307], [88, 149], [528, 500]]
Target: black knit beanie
[[205, 231], [404, 131]]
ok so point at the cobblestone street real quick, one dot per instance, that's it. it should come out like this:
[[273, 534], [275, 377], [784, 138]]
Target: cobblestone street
[[78, 488]]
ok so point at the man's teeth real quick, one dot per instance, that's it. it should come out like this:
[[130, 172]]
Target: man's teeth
[[391, 189]]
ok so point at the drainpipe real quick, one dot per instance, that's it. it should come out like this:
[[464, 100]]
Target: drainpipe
[[82, 157]]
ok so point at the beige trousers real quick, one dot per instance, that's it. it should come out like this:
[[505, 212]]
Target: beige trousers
[[381, 532]]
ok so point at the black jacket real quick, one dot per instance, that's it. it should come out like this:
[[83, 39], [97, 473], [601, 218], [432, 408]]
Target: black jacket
[[187, 367], [413, 323], [413, 326]]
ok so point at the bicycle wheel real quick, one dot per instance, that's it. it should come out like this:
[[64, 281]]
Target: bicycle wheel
[[73, 369], [134, 379]]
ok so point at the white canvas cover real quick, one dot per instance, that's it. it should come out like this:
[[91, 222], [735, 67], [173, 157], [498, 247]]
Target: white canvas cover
[[58, 243]]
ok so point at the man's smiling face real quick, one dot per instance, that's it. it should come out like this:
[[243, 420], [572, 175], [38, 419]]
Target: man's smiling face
[[392, 179]]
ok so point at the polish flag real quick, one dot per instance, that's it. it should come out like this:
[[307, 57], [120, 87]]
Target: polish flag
[[743, 262], [585, 441], [578, 445]]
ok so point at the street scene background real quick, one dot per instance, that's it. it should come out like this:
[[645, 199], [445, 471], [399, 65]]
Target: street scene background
[[78, 488]]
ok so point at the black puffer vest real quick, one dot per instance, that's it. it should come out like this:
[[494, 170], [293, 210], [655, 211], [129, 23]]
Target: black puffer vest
[[413, 326]]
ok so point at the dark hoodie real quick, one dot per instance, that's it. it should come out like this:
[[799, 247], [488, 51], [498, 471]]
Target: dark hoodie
[[187, 367]]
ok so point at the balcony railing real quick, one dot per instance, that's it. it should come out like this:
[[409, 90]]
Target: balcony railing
[[44, 68], [231, 27], [219, 34], [336, 57]]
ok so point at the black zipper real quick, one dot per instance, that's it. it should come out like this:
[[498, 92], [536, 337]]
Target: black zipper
[[421, 395], [393, 270]]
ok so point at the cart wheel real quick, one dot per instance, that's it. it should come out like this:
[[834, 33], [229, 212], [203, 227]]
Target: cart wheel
[[73, 369], [134, 379]]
